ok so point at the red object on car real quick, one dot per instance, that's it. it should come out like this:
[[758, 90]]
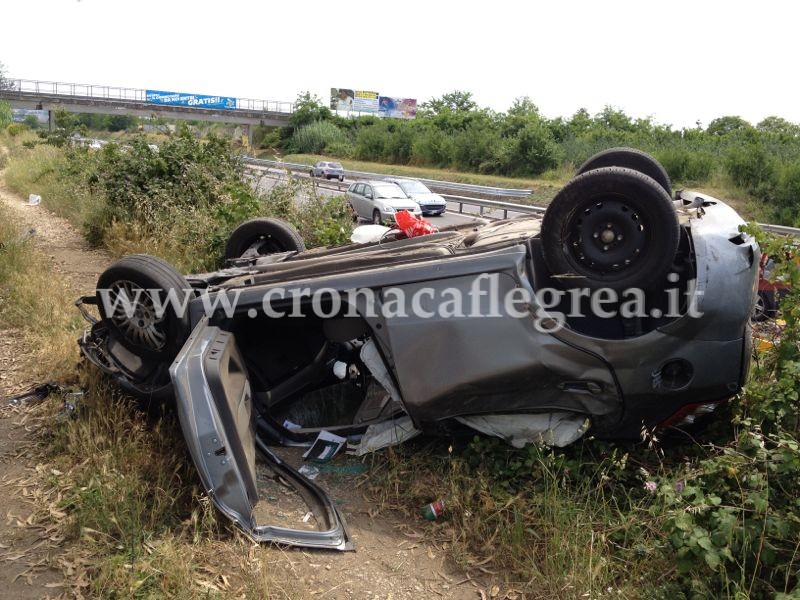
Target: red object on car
[[413, 226]]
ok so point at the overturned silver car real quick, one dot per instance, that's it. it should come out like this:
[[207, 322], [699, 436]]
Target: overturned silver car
[[620, 310]]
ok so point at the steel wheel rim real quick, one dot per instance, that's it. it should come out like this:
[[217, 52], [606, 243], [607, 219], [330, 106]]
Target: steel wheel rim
[[608, 235]]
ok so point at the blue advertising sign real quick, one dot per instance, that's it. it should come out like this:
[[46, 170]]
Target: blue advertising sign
[[193, 100]]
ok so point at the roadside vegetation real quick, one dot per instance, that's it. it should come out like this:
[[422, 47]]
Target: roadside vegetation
[[711, 515], [757, 163], [125, 506], [179, 201]]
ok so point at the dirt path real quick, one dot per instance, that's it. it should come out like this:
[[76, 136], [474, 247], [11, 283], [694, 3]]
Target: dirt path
[[28, 557], [392, 560]]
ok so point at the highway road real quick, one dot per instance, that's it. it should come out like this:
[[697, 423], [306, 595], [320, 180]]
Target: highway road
[[451, 217]]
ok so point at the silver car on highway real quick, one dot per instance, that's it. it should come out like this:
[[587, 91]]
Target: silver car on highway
[[328, 170], [429, 202], [379, 201]]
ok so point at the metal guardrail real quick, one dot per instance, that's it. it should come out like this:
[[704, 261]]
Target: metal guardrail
[[433, 183], [481, 203], [107, 92], [780, 229]]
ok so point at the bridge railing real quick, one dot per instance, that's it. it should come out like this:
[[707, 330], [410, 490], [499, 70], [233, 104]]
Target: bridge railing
[[107, 92], [264, 105], [78, 90]]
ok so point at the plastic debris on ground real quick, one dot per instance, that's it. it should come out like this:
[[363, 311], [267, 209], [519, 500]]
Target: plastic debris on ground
[[34, 200], [35, 394], [324, 447], [368, 234], [383, 435], [413, 226], [309, 472], [552, 429]]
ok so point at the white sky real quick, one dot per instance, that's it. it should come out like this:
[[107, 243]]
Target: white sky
[[676, 61]]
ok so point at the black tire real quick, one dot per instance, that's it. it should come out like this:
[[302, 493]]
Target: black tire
[[354, 214], [629, 158], [376, 217], [311, 173], [765, 306], [266, 236], [341, 177], [144, 332], [610, 227]]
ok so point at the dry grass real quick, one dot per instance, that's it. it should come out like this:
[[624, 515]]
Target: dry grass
[[552, 537], [39, 170], [120, 501], [37, 303]]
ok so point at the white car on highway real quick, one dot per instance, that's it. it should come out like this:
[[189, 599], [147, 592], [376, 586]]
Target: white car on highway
[[429, 202], [379, 201]]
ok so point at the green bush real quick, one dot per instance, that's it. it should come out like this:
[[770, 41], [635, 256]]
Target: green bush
[[315, 137], [531, 152], [14, 129], [753, 169], [686, 165]]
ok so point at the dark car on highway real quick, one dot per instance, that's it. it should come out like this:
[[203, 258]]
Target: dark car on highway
[[524, 329]]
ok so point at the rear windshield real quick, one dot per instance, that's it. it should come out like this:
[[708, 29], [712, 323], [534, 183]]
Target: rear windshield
[[335, 165], [414, 187], [388, 190]]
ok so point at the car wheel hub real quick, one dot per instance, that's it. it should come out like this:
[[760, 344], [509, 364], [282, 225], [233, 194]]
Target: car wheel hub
[[135, 315], [607, 235]]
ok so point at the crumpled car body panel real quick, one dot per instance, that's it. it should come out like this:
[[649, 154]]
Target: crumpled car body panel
[[236, 372]]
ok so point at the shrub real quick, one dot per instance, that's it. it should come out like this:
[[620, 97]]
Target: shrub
[[315, 137], [14, 129], [788, 193], [531, 152], [751, 167], [686, 165]]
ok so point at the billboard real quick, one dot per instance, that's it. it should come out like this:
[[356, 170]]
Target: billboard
[[372, 102], [397, 108], [193, 100]]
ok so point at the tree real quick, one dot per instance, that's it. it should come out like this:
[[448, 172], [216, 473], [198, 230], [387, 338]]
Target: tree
[[779, 126], [456, 101], [31, 121], [5, 82], [614, 118], [308, 108], [728, 124]]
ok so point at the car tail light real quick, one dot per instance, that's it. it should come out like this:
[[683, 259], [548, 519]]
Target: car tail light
[[689, 413]]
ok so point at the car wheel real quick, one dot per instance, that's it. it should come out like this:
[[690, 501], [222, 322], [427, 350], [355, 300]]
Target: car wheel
[[311, 174], [629, 158], [765, 306], [341, 177], [610, 227], [137, 289], [354, 214], [376, 217], [259, 237]]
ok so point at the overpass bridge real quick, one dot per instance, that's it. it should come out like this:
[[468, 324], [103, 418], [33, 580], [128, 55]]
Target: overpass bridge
[[87, 98]]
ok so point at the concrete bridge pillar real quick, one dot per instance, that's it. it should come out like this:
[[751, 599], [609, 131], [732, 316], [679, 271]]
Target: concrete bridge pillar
[[51, 120]]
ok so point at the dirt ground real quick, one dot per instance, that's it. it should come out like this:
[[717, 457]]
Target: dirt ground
[[392, 560]]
